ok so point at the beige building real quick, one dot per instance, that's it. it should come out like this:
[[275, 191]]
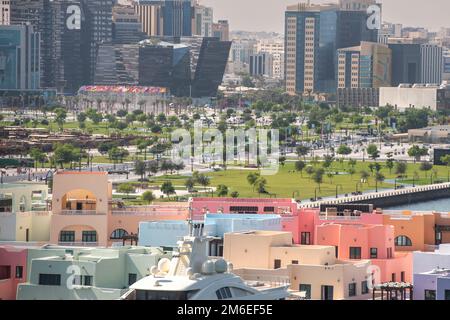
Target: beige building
[[313, 270], [5, 12]]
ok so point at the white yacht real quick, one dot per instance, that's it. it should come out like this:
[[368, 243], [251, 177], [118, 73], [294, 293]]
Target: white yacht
[[192, 275]]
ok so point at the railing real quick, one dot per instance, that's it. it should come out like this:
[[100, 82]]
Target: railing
[[339, 217], [81, 213], [78, 244], [6, 214]]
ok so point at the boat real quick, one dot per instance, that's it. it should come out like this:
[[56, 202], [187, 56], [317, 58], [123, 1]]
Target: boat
[[192, 275]]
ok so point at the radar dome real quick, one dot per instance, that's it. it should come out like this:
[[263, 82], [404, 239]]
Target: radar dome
[[221, 266], [208, 267], [164, 265]]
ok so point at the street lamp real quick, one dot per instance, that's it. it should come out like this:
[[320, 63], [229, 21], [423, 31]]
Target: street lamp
[[338, 186], [315, 194], [395, 184]]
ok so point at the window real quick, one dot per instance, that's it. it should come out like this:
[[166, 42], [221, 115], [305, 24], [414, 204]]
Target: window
[[132, 278], [243, 209], [355, 252], [67, 236], [294, 261], [89, 236], [430, 294], [306, 288], [46, 279], [118, 234], [5, 272], [305, 238], [352, 289], [269, 209], [87, 280], [336, 251], [389, 253], [277, 264], [393, 277], [223, 293], [403, 241], [19, 272], [373, 253], [364, 287], [402, 276], [447, 294]]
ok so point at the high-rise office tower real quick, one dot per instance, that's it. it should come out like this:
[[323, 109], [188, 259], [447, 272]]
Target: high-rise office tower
[[365, 66], [165, 17], [431, 66], [19, 57], [221, 30], [5, 10], [126, 25], [406, 62], [202, 24], [59, 25], [261, 64], [97, 29], [313, 33]]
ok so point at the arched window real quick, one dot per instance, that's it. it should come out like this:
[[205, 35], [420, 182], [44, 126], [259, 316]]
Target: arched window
[[403, 241], [118, 234]]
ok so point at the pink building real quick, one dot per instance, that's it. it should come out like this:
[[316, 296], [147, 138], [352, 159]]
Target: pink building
[[367, 241], [201, 206], [84, 213], [13, 264]]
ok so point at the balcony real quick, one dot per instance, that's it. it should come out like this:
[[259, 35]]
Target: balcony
[[78, 244], [81, 213], [340, 218]]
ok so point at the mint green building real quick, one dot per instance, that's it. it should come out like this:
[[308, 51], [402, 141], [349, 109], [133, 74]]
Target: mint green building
[[75, 273]]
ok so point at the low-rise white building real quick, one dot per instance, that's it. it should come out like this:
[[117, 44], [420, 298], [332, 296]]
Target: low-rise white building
[[433, 97]]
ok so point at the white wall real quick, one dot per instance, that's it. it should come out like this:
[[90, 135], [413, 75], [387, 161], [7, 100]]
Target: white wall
[[405, 98]]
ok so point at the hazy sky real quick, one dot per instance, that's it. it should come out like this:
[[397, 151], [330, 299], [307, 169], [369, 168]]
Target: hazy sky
[[268, 15]]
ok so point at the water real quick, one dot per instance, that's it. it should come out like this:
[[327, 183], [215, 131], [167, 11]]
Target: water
[[441, 205]]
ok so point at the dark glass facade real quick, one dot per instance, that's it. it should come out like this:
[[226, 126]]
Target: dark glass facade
[[333, 29], [406, 61]]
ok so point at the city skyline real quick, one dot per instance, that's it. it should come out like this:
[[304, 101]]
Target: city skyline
[[271, 16]]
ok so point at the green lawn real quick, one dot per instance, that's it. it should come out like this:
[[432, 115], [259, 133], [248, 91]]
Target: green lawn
[[287, 183]]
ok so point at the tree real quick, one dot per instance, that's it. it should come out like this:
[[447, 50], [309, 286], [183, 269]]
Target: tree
[[222, 190], [417, 152], [167, 188], [38, 156], [153, 167], [327, 161], [65, 153], [372, 151], [252, 178], [352, 163], [379, 177], [400, 167], [60, 117], [261, 184], [126, 188], [203, 180], [117, 154], [446, 160], [234, 194], [121, 113], [302, 151], [344, 150], [351, 172], [282, 160], [364, 175], [299, 166], [148, 196], [318, 176], [140, 169], [309, 170], [189, 184], [425, 167]]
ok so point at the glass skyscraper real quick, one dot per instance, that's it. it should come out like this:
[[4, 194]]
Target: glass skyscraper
[[313, 34]]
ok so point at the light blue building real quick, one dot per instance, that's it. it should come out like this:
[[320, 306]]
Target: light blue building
[[167, 233]]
